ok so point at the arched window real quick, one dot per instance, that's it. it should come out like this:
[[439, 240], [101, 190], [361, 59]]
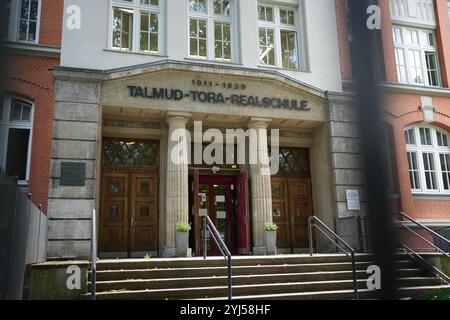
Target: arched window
[[16, 118], [428, 159]]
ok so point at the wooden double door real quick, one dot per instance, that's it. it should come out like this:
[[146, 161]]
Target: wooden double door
[[292, 206], [129, 212]]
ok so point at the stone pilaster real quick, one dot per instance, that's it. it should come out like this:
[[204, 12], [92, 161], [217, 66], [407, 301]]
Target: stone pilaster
[[177, 192], [261, 189]]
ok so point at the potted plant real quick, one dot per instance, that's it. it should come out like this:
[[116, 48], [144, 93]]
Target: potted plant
[[270, 237], [182, 238]]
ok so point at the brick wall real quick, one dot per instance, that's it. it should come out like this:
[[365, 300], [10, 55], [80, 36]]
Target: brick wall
[[403, 108], [27, 74]]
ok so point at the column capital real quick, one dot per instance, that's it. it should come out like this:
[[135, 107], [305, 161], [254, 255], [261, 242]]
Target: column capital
[[183, 117], [259, 123]]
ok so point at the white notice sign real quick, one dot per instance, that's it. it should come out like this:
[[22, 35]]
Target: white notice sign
[[353, 202]]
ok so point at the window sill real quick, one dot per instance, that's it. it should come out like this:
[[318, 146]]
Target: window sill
[[431, 196], [209, 61], [147, 54], [280, 68]]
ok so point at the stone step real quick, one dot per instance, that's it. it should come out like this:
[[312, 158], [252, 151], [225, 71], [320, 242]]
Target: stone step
[[186, 282], [258, 289], [105, 275], [120, 264], [404, 294]]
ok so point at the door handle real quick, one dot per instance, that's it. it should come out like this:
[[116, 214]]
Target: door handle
[[132, 222]]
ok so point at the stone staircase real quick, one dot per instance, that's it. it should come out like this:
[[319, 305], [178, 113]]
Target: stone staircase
[[284, 277]]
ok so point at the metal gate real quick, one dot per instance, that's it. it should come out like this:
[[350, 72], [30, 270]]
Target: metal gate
[[23, 236]]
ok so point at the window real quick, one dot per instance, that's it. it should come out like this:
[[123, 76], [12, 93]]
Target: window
[[210, 29], [136, 25], [20, 20], [5, 10], [15, 136], [428, 155], [448, 5], [278, 42], [416, 56]]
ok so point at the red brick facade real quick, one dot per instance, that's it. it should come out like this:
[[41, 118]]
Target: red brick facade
[[402, 105], [26, 73]]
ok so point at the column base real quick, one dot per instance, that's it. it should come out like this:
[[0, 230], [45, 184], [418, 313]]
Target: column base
[[168, 252], [259, 251]]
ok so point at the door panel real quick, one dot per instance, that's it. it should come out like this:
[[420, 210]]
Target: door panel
[[301, 209], [292, 206], [114, 218], [280, 211], [144, 213]]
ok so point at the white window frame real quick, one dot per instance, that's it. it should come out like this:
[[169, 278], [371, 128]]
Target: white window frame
[[277, 26], [434, 149], [137, 7], [6, 124], [210, 18], [14, 20], [404, 48]]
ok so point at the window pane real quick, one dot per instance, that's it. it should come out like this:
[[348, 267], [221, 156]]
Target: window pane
[[409, 137], [425, 136], [289, 49], [287, 16], [432, 70], [151, 2], [16, 111], [413, 171], [17, 153], [122, 28], [430, 173], [198, 6], [222, 7], [445, 168], [265, 13], [266, 48]]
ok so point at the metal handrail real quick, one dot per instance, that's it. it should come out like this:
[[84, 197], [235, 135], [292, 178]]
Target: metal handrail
[[313, 221], [208, 224], [434, 233], [93, 255], [416, 255]]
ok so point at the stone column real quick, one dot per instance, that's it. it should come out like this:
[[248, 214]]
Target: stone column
[[261, 188], [177, 188]]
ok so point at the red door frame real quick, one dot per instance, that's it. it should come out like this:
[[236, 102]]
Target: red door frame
[[231, 221]]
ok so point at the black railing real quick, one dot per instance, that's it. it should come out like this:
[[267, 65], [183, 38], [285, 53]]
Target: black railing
[[93, 255], [417, 256], [208, 225], [332, 236]]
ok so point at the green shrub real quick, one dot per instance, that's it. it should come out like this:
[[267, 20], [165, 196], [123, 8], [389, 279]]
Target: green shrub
[[270, 227], [183, 227]]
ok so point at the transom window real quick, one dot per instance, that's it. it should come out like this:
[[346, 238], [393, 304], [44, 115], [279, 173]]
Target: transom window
[[136, 25], [428, 153], [210, 29], [278, 42], [130, 152], [15, 136], [416, 56], [20, 20]]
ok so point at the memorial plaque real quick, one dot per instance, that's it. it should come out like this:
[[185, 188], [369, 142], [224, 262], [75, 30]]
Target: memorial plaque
[[73, 174]]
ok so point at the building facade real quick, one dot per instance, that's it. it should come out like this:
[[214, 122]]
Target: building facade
[[31, 40], [139, 78], [415, 42]]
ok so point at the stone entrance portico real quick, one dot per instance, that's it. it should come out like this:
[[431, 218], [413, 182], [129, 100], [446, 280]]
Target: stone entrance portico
[[99, 105]]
